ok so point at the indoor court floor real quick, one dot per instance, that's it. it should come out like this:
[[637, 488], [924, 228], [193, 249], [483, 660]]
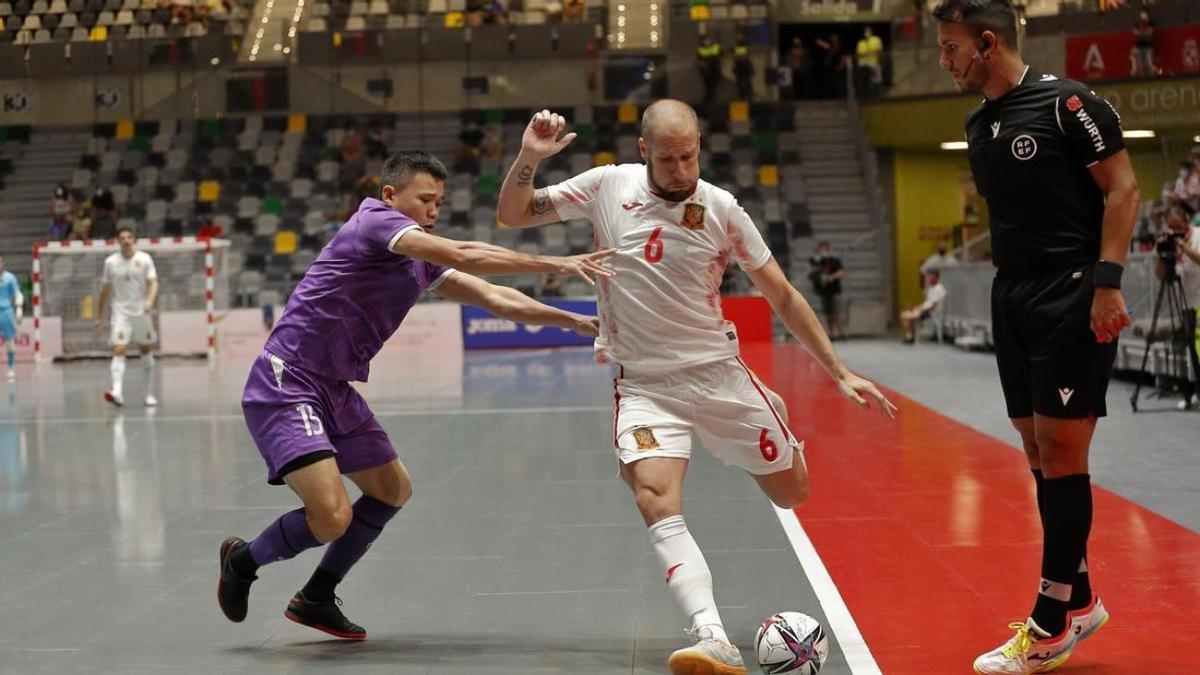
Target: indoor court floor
[[522, 552]]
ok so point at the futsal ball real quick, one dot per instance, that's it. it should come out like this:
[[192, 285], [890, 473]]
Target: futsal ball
[[791, 642]]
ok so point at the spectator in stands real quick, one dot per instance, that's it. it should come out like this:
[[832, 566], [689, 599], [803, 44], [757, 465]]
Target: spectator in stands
[[550, 287], [935, 293], [1143, 35], [104, 214], [81, 225], [708, 60], [468, 149], [553, 11], [870, 69], [937, 261], [830, 68], [743, 68], [354, 159], [574, 10], [1187, 186], [62, 207], [799, 61], [826, 277]]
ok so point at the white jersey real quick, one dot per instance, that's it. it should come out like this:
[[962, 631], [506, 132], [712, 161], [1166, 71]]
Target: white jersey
[[130, 279], [662, 310]]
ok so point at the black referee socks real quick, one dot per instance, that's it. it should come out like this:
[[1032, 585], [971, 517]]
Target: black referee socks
[[1081, 590], [1066, 524]]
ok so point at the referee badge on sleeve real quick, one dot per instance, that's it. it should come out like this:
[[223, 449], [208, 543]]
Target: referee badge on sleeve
[[645, 439], [693, 216]]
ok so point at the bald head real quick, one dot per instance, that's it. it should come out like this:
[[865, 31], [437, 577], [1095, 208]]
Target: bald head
[[669, 118]]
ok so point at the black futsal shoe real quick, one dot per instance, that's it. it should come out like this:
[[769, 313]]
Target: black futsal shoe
[[324, 616], [233, 589]]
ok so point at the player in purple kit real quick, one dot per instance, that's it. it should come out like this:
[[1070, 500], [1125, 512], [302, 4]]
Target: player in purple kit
[[311, 426]]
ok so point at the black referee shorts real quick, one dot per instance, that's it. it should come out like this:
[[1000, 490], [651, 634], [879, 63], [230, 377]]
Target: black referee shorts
[[1049, 360]]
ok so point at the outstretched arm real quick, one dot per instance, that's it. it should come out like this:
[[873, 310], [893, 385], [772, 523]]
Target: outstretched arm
[[520, 205], [791, 307], [513, 305], [476, 257]]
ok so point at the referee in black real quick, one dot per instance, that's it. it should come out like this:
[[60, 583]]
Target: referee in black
[[1048, 156]]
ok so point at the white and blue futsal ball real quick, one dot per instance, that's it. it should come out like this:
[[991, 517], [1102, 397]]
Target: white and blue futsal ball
[[791, 642]]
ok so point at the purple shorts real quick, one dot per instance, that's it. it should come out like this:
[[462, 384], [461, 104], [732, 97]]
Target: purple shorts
[[291, 413]]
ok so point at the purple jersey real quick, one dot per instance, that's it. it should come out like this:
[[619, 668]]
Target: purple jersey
[[353, 297]]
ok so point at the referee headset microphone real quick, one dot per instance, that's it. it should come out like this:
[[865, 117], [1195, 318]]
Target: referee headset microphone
[[986, 44]]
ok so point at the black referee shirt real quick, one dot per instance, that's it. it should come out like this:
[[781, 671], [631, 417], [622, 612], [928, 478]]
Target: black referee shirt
[[1030, 151]]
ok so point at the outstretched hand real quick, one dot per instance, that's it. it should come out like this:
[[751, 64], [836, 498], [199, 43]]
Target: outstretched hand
[[586, 326], [587, 265], [541, 138], [858, 390]]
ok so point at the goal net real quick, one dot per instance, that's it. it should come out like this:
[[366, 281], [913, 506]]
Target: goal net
[[193, 278]]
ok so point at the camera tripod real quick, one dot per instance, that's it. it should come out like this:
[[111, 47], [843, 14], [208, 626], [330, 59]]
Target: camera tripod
[[1179, 343]]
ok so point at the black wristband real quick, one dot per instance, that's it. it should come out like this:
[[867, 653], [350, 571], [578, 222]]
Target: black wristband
[[1107, 274]]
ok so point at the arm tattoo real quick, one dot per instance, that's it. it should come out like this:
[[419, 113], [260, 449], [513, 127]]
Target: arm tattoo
[[525, 176], [541, 202]]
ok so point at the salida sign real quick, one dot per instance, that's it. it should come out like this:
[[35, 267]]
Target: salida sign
[[1110, 56]]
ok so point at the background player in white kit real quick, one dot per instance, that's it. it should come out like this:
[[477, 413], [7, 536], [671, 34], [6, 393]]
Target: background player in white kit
[[132, 282], [678, 369]]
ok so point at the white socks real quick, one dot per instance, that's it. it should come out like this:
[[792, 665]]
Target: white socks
[[118, 373], [148, 371], [687, 575]]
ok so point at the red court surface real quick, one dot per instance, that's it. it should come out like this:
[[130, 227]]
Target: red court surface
[[929, 530]]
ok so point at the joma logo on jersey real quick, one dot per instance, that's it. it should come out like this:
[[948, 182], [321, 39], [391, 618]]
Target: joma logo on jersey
[[1090, 126]]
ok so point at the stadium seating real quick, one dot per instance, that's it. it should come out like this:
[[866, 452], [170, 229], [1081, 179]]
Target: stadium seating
[[43, 21]]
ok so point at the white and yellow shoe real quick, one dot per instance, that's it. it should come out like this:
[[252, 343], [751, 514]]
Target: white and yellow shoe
[[1030, 650], [1084, 622], [709, 656]]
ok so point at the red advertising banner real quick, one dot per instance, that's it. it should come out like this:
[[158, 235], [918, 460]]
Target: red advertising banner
[[1110, 56]]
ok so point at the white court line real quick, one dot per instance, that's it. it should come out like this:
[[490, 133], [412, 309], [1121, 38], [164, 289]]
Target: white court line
[[457, 412], [841, 624]]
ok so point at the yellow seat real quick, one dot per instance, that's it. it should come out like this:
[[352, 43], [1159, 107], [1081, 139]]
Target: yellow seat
[[739, 111], [604, 158], [455, 20], [125, 130], [210, 191], [297, 124], [98, 34], [285, 242], [627, 113], [700, 13], [768, 174]]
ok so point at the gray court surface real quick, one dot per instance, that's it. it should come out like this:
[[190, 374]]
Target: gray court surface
[[521, 552]]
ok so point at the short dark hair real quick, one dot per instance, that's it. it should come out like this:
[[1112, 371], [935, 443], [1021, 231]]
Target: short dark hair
[[126, 228], [980, 15], [401, 166]]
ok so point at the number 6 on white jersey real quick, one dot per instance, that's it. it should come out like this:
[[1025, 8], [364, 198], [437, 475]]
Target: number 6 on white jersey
[[312, 423]]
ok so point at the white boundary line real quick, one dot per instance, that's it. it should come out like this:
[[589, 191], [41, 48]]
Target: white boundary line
[[841, 624]]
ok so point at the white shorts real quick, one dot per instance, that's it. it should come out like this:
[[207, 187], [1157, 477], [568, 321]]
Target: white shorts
[[736, 416], [137, 329]]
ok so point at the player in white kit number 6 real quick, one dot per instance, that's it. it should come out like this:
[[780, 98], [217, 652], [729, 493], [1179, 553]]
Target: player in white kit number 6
[[131, 281], [675, 355]]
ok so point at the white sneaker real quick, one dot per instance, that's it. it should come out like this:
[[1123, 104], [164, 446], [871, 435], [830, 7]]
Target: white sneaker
[[709, 656], [113, 398], [12, 375], [151, 402], [1030, 650], [1088, 620]]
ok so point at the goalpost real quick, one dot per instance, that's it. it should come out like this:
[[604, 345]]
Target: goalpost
[[193, 276]]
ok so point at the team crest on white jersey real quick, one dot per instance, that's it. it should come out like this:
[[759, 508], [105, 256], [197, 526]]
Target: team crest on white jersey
[[693, 216]]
